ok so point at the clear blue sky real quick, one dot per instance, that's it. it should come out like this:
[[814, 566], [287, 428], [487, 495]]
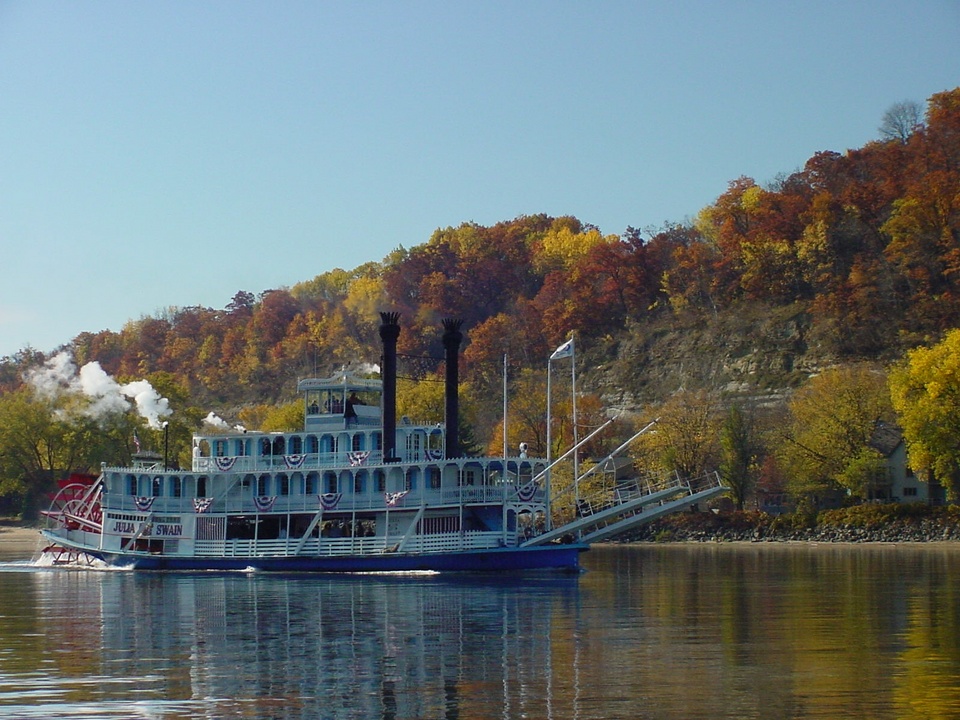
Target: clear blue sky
[[170, 154]]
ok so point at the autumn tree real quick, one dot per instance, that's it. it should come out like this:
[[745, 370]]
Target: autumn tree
[[684, 440], [925, 390], [827, 442]]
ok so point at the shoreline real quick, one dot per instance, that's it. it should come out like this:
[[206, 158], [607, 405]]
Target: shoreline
[[19, 542]]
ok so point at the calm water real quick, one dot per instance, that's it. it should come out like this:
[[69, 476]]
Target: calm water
[[713, 631]]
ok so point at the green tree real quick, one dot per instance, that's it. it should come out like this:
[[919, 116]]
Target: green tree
[[737, 454], [44, 440], [925, 390]]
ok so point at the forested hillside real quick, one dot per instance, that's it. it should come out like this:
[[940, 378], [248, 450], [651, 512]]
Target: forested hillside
[[855, 257]]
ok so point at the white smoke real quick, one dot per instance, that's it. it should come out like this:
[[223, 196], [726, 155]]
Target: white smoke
[[59, 376], [213, 419]]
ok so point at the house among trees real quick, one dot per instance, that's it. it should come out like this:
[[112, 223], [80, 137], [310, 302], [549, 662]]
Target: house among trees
[[901, 483]]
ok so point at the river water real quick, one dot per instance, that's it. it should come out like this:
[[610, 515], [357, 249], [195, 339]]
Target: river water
[[647, 631]]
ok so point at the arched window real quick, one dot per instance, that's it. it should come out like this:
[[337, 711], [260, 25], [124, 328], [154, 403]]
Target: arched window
[[313, 447], [157, 489], [330, 482], [296, 445], [312, 483], [263, 485]]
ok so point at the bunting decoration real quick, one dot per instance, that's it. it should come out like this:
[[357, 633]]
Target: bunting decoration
[[144, 503], [294, 461], [435, 453], [225, 463], [526, 492], [329, 501], [202, 504], [393, 498], [264, 503], [357, 457]]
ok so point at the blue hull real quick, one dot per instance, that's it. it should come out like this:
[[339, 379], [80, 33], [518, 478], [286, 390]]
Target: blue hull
[[548, 557]]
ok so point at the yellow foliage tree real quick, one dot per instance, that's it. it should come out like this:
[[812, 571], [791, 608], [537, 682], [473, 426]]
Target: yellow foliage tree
[[925, 390]]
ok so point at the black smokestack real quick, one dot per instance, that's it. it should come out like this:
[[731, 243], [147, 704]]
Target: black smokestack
[[389, 332], [452, 337]]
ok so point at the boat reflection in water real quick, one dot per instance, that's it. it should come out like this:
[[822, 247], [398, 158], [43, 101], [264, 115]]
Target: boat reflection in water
[[320, 646]]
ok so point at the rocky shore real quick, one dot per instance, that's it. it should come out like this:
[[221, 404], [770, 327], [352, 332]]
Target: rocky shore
[[883, 524]]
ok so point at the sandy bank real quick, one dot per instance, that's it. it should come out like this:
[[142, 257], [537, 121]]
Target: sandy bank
[[18, 543]]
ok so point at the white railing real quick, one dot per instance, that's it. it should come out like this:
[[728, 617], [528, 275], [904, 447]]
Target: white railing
[[332, 547], [240, 499]]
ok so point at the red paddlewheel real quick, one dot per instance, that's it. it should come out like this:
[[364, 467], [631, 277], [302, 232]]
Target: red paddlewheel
[[74, 507]]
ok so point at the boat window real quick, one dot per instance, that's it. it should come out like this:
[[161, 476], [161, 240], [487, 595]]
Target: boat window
[[381, 479], [176, 486], [263, 485], [220, 448], [330, 480], [378, 441], [312, 482], [296, 483], [357, 443], [240, 447], [359, 481], [312, 445], [202, 486], [434, 473], [265, 447], [278, 445], [157, 486], [131, 484], [296, 445], [410, 480], [284, 482]]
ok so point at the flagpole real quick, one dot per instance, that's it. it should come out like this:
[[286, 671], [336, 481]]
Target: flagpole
[[576, 438], [564, 351], [503, 519], [546, 482], [505, 448]]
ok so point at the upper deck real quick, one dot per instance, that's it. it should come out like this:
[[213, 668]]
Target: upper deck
[[342, 427]]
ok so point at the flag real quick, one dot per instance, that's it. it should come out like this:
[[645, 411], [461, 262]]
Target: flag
[[136, 441], [564, 351]]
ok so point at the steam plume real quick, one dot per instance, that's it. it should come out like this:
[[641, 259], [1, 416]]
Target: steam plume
[[59, 376]]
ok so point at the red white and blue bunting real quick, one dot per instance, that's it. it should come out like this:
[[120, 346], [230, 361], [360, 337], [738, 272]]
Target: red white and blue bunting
[[225, 463], [435, 453], [526, 492], [357, 457], [264, 503], [329, 501], [202, 504], [294, 461], [393, 498], [145, 503]]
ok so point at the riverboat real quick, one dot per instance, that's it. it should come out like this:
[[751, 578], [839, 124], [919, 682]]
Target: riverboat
[[355, 491]]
